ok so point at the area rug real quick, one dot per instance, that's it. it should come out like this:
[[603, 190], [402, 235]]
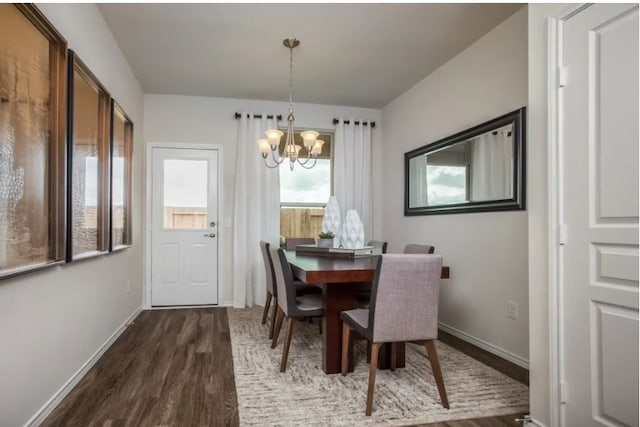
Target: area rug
[[305, 396]]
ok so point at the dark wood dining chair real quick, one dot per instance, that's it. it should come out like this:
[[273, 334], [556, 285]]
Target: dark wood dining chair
[[378, 244], [272, 291], [291, 243], [294, 307], [404, 307], [413, 248]]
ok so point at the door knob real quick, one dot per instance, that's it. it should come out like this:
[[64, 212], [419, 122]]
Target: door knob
[[210, 235], [212, 224]]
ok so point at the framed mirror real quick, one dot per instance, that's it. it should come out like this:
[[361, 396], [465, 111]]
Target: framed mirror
[[480, 169]]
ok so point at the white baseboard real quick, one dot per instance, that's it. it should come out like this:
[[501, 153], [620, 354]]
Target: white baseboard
[[55, 400], [491, 348]]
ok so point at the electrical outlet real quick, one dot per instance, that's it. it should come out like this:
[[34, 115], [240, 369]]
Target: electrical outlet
[[512, 310], [128, 286]]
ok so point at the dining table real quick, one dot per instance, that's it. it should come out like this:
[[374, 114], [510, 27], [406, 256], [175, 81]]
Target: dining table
[[340, 279]]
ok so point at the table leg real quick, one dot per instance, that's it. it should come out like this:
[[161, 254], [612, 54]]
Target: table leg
[[337, 298], [384, 356]]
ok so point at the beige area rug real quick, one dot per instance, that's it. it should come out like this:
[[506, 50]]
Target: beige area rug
[[305, 396]]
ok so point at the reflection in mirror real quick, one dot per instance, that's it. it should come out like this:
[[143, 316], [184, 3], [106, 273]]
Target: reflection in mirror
[[475, 168]]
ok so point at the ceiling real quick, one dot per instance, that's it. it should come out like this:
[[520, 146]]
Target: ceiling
[[350, 54]]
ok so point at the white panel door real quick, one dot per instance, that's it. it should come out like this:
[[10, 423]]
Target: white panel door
[[184, 241], [599, 207]]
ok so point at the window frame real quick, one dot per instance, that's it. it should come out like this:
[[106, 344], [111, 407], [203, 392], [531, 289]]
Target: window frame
[[128, 185], [76, 65], [324, 135], [56, 145]]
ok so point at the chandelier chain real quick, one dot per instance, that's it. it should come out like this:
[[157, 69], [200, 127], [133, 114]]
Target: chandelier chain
[[291, 80]]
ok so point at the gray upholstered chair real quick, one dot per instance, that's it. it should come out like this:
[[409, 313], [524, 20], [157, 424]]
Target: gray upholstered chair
[[272, 291], [289, 304], [362, 291], [291, 243], [404, 307], [412, 248]]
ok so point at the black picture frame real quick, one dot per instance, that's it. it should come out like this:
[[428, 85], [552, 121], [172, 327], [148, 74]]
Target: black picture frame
[[76, 65], [127, 231], [517, 202]]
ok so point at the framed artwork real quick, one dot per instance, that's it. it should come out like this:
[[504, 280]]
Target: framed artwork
[[33, 70], [121, 183], [88, 160]]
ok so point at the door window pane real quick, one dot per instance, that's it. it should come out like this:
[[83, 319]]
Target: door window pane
[[185, 194]]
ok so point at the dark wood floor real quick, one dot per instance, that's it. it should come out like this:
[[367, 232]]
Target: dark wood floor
[[172, 368]]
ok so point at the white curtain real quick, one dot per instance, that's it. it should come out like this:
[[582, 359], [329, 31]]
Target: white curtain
[[352, 171], [256, 211], [492, 166], [418, 181]]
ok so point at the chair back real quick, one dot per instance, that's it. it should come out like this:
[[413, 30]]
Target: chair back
[[268, 267], [404, 298], [412, 248], [291, 243], [378, 244], [285, 284]]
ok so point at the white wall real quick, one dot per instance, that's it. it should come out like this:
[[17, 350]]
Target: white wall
[[487, 252], [51, 322], [538, 210], [197, 120]]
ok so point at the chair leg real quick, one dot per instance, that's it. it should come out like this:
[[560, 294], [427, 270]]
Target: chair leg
[[346, 336], [287, 344], [273, 318], [276, 331], [266, 308], [394, 356], [437, 373], [373, 365]]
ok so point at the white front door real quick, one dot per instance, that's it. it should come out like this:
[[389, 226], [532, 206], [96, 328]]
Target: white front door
[[599, 208], [184, 234]]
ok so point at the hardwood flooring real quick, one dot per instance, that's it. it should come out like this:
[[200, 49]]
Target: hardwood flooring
[[172, 368], [496, 362]]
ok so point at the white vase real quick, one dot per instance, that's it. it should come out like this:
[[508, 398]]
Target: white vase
[[352, 236], [331, 220]]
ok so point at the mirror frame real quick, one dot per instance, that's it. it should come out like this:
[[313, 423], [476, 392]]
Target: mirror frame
[[517, 202]]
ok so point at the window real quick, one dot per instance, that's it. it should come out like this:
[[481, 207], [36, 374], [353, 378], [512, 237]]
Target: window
[[446, 184], [32, 148], [121, 162], [88, 164], [305, 192]]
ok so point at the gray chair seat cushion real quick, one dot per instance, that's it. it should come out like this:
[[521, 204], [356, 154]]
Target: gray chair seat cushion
[[358, 320], [309, 305]]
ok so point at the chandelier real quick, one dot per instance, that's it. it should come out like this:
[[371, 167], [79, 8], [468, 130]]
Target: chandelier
[[271, 143]]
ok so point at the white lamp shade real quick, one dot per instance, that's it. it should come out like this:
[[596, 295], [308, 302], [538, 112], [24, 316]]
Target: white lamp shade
[[309, 138], [292, 151], [317, 147], [273, 136], [263, 146]]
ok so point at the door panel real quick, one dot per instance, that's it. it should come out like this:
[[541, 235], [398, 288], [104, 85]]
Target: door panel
[[599, 207], [184, 258]]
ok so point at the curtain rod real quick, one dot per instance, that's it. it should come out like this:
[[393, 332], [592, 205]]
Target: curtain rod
[[373, 124], [259, 116]]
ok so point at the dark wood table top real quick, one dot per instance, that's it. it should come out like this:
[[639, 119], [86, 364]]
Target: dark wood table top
[[322, 269]]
